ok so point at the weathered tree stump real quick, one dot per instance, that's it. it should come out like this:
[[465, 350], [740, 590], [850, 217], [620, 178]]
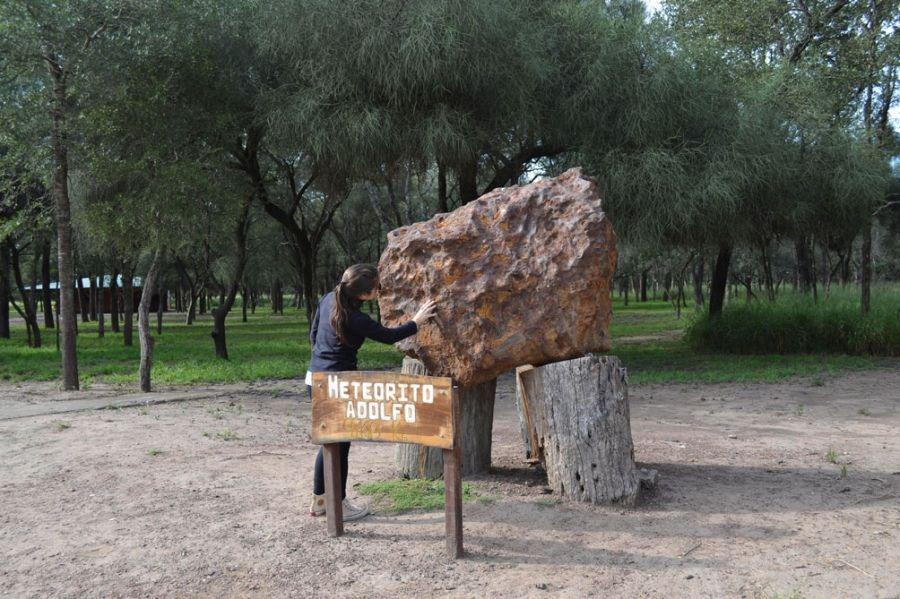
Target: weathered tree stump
[[575, 421], [475, 426]]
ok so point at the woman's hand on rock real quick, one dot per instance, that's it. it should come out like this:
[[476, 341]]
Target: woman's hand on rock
[[425, 312]]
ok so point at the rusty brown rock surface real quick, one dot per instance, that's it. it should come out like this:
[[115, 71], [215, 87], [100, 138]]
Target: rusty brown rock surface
[[522, 275]]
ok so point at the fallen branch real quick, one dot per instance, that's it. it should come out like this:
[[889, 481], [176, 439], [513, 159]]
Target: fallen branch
[[685, 554], [854, 567]]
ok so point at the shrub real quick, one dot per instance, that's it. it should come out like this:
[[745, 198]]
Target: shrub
[[797, 324]]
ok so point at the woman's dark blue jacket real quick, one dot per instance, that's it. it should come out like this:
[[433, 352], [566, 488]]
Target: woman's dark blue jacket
[[329, 354]]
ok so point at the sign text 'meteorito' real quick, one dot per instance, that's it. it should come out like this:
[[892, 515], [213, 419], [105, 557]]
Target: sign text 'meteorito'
[[376, 400]]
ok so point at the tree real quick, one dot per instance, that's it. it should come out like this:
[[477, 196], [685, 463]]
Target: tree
[[5, 291], [405, 89], [146, 339], [829, 66], [61, 39], [23, 223], [230, 287]]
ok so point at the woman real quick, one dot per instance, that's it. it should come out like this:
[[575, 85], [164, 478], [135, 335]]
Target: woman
[[337, 332]]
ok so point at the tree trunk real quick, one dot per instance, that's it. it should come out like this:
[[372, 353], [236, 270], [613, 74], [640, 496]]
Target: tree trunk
[[644, 284], [846, 259], [275, 293], [804, 264], [82, 305], [309, 289], [192, 307], [101, 309], [475, 426], [768, 280], [92, 306], [60, 192], [29, 303], [698, 277], [5, 291], [467, 181], [243, 303], [443, 205], [114, 301], [814, 271], [719, 284], [277, 298], [865, 279], [146, 339], [128, 305], [47, 293], [218, 332], [160, 294], [57, 322], [33, 299], [575, 421], [224, 307]]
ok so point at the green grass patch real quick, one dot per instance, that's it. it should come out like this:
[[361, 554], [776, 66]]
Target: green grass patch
[[796, 324], [677, 362], [277, 347], [266, 347], [648, 318], [415, 494], [227, 435]]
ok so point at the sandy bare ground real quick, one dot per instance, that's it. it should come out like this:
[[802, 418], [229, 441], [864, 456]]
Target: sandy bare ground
[[748, 506]]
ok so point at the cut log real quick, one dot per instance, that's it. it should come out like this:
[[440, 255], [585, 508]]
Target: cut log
[[476, 421], [575, 421]]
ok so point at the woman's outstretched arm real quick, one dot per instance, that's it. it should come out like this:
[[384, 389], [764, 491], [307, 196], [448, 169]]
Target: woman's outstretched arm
[[372, 330], [368, 328]]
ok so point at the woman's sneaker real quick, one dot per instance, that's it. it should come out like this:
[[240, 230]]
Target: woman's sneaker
[[354, 512], [351, 512], [317, 508]]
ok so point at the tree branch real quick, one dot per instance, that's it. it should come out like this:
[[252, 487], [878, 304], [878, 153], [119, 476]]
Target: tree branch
[[523, 157]]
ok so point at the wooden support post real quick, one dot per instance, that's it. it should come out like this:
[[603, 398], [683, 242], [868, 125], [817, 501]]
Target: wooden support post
[[475, 422], [529, 431], [334, 511], [453, 490]]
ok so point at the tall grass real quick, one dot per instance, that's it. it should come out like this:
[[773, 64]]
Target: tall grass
[[796, 324]]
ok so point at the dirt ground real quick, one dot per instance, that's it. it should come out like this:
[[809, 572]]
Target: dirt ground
[[208, 497]]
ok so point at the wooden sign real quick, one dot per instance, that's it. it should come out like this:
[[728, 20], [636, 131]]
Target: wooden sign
[[382, 406], [392, 407]]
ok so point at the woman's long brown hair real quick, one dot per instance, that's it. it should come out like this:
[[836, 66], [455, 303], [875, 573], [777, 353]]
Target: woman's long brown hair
[[357, 280]]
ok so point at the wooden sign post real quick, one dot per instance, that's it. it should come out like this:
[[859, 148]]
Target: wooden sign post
[[391, 407]]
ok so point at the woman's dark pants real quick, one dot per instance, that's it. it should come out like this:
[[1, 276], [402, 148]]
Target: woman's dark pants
[[319, 476]]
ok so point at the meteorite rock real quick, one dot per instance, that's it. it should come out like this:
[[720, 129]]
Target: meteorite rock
[[522, 275]]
